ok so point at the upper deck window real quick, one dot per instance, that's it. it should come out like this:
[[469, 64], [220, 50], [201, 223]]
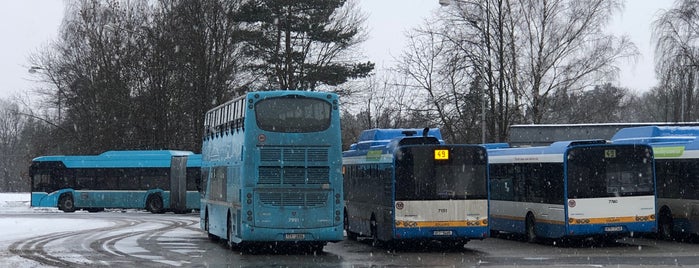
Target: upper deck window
[[293, 114]]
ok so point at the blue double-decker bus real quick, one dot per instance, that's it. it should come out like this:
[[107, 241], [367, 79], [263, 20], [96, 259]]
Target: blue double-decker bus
[[155, 180], [272, 169], [572, 189], [405, 187], [676, 152]]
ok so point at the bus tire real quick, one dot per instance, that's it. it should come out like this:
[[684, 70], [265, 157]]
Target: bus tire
[[530, 228], [154, 204], [212, 237], [66, 203], [350, 235], [373, 226], [665, 224], [229, 233]]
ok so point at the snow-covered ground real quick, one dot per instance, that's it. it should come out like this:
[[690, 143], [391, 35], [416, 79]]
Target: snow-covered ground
[[14, 203], [18, 228]]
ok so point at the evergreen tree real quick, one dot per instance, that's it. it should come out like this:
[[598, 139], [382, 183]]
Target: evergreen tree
[[303, 44]]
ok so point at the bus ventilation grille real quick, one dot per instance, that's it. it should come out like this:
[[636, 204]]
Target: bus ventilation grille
[[314, 156], [294, 199]]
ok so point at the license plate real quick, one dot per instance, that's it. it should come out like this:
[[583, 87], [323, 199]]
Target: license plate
[[441, 233], [294, 236], [613, 229]]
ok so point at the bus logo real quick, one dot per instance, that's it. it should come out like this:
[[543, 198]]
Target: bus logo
[[261, 138], [400, 205], [571, 203]]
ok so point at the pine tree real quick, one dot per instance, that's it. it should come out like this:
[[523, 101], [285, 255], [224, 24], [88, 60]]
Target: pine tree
[[303, 44]]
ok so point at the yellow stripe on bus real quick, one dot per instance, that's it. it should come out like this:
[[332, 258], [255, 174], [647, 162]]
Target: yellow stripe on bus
[[612, 220], [421, 224]]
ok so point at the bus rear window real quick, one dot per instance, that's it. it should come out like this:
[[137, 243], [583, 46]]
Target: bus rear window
[[609, 172], [293, 114]]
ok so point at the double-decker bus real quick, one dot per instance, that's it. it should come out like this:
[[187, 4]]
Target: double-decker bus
[[272, 164], [676, 151], [401, 187], [572, 189], [155, 180]]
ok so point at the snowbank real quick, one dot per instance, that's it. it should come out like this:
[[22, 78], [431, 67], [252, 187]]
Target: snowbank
[[19, 203]]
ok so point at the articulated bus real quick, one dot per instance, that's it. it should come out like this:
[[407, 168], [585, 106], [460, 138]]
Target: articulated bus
[[401, 187], [272, 164], [157, 180], [676, 151], [572, 190]]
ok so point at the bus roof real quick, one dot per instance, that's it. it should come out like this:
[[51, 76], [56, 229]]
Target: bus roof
[[387, 139], [124, 159], [659, 135], [559, 147]]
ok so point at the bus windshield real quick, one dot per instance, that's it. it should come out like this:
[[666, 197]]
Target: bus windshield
[[293, 114], [419, 176], [604, 171]]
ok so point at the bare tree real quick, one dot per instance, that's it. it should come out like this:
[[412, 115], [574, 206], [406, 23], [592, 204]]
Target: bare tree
[[513, 56], [446, 77], [676, 33], [563, 47]]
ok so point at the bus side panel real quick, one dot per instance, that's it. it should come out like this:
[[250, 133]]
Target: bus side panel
[[193, 200], [113, 199], [508, 216], [42, 199], [359, 215], [218, 214]]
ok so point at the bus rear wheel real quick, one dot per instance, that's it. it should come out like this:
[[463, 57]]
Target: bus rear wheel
[[373, 226], [665, 225], [154, 204], [66, 203], [350, 235], [530, 225]]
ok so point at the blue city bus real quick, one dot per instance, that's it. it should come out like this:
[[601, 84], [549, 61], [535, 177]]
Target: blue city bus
[[572, 190], [401, 188], [272, 170], [676, 151], [155, 180]]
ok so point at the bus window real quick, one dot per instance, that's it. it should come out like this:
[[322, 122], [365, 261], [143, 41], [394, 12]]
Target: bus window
[[292, 114]]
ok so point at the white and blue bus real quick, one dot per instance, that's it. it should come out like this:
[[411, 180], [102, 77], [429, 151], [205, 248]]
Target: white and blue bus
[[272, 164], [155, 180], [676, 151], [402, 187], [569, 190]]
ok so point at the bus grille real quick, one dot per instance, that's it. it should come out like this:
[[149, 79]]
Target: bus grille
[[294, 199], [293, 166], [294, 175], [293, 154]]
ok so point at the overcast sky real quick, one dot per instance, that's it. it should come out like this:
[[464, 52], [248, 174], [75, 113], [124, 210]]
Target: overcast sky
[[30, 25]]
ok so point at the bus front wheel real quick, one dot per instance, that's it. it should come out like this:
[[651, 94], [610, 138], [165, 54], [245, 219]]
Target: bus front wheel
[[66, 203], [154, 204]]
